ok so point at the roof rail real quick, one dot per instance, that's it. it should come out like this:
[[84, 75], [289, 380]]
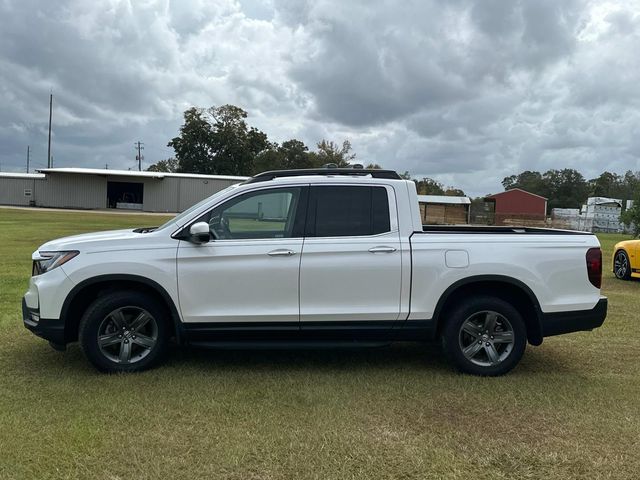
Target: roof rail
[[361, 172]]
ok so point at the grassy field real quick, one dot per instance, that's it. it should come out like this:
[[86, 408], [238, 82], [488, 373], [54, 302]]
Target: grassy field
[[570, 410]]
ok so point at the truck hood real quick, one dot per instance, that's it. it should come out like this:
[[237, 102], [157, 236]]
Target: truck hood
[[88, 241]]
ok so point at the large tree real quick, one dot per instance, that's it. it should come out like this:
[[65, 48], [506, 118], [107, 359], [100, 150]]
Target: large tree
[[292, 154], [331, 152], [193, 148], [429, 186], [606, 185], [295, 154], [613, 185], [630, 185], [631, 216], [169, 165], [527, 180], [269, 159], [218, 141], [565, 188], [454, 192]]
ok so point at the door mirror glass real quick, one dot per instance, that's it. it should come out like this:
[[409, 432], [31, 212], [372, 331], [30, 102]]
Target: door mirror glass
[[199, 232]]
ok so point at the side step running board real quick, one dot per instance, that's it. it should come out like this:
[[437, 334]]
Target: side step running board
[[293, 345]]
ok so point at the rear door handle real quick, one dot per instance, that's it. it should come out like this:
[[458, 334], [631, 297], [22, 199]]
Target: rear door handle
[[382, 249], [281, 252]]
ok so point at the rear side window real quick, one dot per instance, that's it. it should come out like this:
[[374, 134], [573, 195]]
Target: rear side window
[[341, 211]]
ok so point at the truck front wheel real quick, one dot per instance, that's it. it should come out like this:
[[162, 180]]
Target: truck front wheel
[[124, 331], [484, 336]]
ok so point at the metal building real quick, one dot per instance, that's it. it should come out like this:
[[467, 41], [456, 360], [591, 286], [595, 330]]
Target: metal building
[[518, 207], [18, 188], [88, 188]]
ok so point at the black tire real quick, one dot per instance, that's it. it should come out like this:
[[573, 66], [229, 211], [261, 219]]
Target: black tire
[[144, 346], [621, 265], [467, 330]]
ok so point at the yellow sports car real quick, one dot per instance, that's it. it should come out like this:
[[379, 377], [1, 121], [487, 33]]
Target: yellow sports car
[[626, 263]]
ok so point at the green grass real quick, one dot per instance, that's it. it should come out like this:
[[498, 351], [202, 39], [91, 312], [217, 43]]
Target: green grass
[[570, 410]]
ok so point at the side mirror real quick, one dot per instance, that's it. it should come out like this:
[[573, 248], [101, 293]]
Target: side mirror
[[199, 232]]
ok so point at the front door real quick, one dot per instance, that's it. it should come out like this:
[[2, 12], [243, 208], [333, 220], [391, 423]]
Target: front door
[[249, 271], [350, 273]]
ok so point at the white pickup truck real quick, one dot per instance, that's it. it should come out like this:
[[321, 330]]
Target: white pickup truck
[[315, 258]]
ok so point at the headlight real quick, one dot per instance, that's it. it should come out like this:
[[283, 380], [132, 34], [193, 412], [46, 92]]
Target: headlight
[[47, 261]]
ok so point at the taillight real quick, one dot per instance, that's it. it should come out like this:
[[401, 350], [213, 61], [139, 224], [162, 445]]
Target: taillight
[[594, 266]]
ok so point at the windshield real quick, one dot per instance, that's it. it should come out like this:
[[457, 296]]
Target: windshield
[[182, 216]]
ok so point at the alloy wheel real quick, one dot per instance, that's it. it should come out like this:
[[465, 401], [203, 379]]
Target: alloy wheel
[[127, 335], [486, 338], [621, 265]]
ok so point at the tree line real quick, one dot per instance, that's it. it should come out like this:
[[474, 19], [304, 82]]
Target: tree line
[[567, 188], [218, 141]]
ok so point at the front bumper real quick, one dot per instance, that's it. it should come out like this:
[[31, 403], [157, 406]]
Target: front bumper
[[565, 322], [50, 329]]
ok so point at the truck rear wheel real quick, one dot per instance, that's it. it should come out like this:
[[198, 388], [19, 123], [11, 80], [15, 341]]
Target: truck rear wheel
[[484, 336], [124, 332]]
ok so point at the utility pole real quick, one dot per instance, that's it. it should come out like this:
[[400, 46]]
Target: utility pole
[[49, 147], [139, 157], [28, 152], [106, 166]]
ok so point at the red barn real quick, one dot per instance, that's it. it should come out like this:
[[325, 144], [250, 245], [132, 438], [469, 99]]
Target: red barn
[[517, 206]]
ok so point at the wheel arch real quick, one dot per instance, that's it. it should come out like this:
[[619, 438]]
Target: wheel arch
[[85, 292], [618, 250], [507, 288], [621, 248]]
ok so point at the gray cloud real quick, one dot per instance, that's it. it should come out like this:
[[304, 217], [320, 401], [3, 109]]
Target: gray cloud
[[464, 91]]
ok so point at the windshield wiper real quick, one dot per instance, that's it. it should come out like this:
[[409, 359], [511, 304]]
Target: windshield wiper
[[144, 229]]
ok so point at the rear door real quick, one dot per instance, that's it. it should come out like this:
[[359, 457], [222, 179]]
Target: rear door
[[350, 271]]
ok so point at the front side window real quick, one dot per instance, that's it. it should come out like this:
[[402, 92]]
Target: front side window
[[262, 214], [180, 218], [339, 211]]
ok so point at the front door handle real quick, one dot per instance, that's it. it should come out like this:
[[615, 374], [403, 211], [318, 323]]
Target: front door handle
[[382, 249], [281, 252]]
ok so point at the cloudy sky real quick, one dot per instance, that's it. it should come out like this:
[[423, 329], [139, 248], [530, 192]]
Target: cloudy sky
[[463, 91]]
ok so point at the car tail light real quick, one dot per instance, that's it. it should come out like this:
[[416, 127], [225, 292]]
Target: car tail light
[[594, 266]]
